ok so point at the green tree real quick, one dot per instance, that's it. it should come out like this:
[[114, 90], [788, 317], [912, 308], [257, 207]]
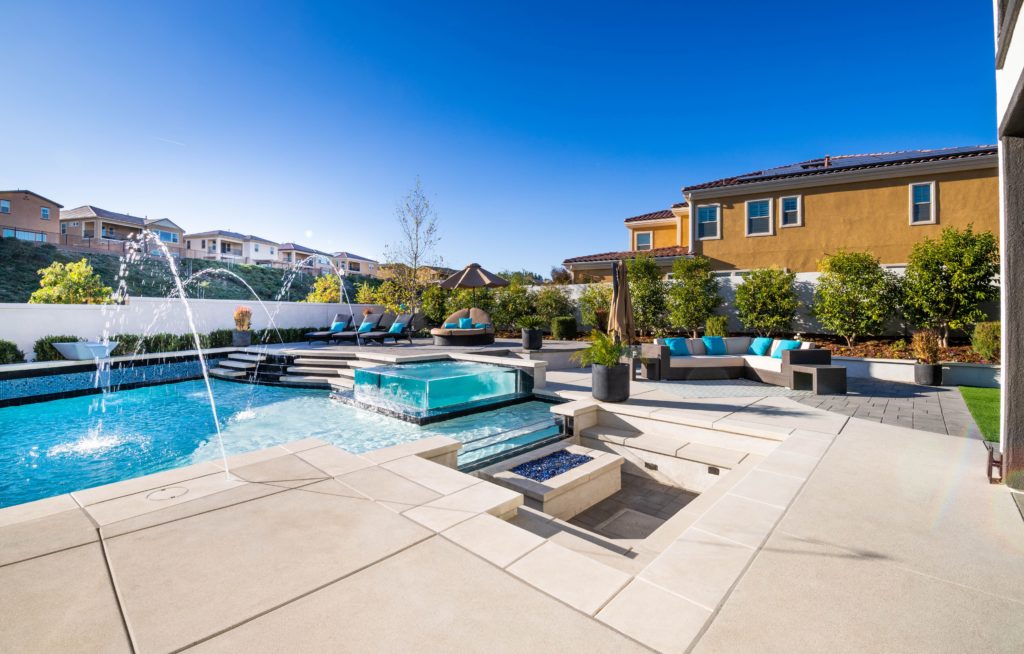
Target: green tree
[[72, 283], [647, 292], [855, 296], [949, 279], [326, 288], [595, 303], [524, 277], [511, 303], [560, 275], [467, 298], [552, 301], [766, 301], [433, 304], [693, 294]]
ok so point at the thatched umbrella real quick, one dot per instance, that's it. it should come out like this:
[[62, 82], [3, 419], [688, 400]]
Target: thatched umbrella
[[620, 318], [474, 277]]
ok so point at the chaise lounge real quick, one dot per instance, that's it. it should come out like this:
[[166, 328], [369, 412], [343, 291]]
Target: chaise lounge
[[372, 320], [401, 328], [465, 327], [766, 360], [342, 319]]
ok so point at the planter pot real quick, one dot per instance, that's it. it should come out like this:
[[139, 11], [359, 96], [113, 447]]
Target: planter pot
[[532, 339], [610, 383], [927, 374], [241, 339]]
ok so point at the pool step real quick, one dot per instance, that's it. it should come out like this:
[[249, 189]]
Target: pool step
[[237, 365], [226, 373], [244, 356], [303, 380], [314, 371], [332, 363]]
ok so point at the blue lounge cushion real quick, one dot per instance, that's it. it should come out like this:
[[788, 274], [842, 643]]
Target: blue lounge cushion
[[451, 325], [465, 323], [785, 345], [339, 325], [715, 345], [367, 326], [482, 325], [760, 346], [396, 327], [677, 347]]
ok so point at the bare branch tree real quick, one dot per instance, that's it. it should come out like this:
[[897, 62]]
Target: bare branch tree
[[417, 247]]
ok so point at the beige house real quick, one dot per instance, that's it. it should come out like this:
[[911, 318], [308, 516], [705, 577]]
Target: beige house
[[99, 229], [28, 216], [353, 264], [306, 258], [231, 247]]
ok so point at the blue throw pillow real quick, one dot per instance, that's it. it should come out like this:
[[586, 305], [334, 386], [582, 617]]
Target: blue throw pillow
[[465, 323], [677, 347], [396, 328], [339, 325], [482, 325], [760, 346], [451, 325], [367, 326], [714, 345], [785, 345]]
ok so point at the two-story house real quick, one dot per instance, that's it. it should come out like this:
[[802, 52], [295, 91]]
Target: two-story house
[[306, 258], [356, 265], [29, 216], [791, 216], [231, 247], [94, 228]]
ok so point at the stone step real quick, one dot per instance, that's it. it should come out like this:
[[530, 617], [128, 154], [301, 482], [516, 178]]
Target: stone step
[[302, 380], [347, 373], [245, 356], [360, 363], [314, 371], [324, 353], [317, 361], [237, 365], [678, 446], [226, 373]]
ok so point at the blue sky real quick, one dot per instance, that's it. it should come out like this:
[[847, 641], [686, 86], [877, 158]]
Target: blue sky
[[536, 127]]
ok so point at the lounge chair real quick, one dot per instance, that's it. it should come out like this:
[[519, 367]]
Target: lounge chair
[[465, 327], [325, 335], [381, 335], [350, 334]]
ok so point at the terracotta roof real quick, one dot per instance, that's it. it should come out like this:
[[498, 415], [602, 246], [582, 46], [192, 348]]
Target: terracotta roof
[[844, 163], [674, 251], [22, 190], [654, 215]]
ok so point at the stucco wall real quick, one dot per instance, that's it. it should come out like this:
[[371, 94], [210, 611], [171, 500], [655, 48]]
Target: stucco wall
[[664, 235], [25, 214], [870, 216], [24, 323]]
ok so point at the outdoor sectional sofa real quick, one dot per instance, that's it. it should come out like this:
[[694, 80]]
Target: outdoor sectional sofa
[[452, 331], [737, 362]]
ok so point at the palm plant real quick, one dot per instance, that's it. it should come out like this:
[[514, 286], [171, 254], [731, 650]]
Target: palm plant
[[602, 351]]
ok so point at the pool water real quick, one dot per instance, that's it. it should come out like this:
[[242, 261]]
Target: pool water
[[435, 384], [50, 448]]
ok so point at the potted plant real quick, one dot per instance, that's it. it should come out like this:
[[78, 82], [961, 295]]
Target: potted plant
[[242, 337], [609, 377], [925, 346], [532, 334]]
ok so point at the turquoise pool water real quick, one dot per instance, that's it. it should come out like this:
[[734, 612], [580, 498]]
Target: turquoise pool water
[[435, 384], [56, 447]]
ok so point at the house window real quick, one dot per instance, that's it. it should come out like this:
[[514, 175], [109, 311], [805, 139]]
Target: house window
[[5, 207], [922, 203], [353, 266], [188, 245], [255, 247], [759, 217], [23, 235], [707, 222], [167, 237], [271, 250], [643, 240], [44, 213], [791, 214]]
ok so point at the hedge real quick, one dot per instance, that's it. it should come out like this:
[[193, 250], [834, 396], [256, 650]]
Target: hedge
[[45, 351], [9, 353], [563, 328], [163, 342]]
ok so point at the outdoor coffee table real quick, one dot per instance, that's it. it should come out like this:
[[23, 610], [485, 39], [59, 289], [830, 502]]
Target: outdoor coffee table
[[819, 379]]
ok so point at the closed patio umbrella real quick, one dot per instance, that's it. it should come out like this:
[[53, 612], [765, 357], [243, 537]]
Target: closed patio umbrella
[[620, 318], [474, 277]]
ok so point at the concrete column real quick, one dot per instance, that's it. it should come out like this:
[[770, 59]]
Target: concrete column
[[1012, 282]]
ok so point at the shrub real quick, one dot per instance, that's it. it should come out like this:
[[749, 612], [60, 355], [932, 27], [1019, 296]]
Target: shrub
[[925, 346], [899, 347], [766, 301], [948, 279], [9, 353], [126, 344], [595, 303], [217, 338], [693, 294], [530, 321], [603, 351], [243, 318], [283, 334], [467, 298], [433, 304], [43, 348], [326, 288], [986, 340], [716, 326], [855, 296], [647, 292], [563, 328], [72, 283], [511, 303], [551, 302]]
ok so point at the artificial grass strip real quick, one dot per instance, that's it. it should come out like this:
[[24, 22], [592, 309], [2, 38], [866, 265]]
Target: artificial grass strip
[[983, 404]]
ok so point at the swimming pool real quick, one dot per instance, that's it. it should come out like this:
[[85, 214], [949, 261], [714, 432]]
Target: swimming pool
[[49, 448]]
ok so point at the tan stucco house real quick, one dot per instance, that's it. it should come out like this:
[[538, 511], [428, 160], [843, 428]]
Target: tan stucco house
[[29, 216], [95, 228], [231, 247]]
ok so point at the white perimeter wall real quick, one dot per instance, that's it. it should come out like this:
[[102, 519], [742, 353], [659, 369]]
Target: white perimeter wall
[[24, 323]]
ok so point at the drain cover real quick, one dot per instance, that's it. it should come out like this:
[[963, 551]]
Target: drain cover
[[167, 493]]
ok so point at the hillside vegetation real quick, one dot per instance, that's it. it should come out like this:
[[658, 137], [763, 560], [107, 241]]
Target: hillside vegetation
[[149, 277]]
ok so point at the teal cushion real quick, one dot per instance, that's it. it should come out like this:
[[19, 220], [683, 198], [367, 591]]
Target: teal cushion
[[339, 325], [396, 328], [482, 325], [465, 323], [714, 345], [760, 346], [451, 325], [677, 347], [785, 345], [367, 326]]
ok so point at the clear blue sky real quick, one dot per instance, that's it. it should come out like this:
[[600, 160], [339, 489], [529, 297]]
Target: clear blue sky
[[536, 126]]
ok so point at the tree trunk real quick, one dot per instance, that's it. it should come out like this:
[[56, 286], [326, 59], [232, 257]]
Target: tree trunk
[[850, 340]]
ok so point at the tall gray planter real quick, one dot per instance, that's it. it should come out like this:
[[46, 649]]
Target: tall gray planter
[[610, 383], [240, 338]]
